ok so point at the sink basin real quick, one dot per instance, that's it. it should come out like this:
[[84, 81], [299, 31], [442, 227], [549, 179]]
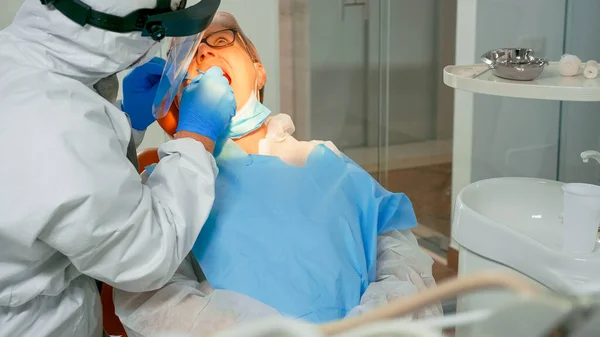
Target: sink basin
[[532, 207], [517, 222]]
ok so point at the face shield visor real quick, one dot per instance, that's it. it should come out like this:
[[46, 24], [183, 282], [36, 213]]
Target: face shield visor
[[181, 53], [168, 19]]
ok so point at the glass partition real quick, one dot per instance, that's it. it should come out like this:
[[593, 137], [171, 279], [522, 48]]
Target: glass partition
[[367, 75]]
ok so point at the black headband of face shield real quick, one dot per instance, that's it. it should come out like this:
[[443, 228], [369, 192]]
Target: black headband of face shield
[[157, 22]]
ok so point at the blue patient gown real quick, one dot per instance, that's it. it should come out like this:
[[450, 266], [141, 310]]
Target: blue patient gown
[[300, 239]]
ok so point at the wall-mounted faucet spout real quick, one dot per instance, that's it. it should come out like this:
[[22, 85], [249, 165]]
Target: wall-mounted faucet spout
[[586, 155]]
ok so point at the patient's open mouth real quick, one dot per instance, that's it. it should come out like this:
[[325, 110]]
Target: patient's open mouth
[[227, 77], [224, 74]]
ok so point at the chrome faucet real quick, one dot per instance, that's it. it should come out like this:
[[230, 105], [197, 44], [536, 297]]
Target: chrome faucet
[[586, 155]]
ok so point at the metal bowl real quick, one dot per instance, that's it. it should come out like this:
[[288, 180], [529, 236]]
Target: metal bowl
[[517, 64]]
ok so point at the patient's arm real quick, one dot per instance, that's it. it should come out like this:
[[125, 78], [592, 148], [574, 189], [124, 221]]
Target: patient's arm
[[402, 269], [185, 305]]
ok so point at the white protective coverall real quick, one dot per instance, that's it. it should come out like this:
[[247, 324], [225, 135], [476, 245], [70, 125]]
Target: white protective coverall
[[188, 304], [72, 206]]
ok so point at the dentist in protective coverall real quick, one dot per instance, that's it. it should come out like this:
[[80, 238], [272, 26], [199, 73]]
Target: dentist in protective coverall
[[72, 207]]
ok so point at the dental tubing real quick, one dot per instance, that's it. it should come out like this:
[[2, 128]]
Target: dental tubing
[[460, 285]]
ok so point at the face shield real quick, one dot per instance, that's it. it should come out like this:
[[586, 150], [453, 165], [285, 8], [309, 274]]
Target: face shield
[[168, 19], [181, 54]]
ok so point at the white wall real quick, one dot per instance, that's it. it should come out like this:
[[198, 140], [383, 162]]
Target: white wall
[[9, 9]]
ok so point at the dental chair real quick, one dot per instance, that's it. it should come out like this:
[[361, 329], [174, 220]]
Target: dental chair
[[533, 313], [110, 322]]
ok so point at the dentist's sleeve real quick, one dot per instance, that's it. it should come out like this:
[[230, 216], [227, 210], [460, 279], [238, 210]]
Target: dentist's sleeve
[[403, 269], [137, 136], [113, 228], [186, 304]]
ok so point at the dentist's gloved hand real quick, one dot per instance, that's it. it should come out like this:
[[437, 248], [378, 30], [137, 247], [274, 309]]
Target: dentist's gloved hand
[[207, 105], [139, 90]]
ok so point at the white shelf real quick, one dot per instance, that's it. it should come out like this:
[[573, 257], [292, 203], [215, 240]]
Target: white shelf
[[549, 86]]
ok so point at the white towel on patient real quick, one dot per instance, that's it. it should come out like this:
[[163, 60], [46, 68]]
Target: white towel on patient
[[280, 142]]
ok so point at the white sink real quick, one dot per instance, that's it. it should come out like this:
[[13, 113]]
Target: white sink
[[517, 222]]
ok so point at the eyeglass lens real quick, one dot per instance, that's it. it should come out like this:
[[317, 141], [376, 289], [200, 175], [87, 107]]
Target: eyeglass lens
[[221, 39]]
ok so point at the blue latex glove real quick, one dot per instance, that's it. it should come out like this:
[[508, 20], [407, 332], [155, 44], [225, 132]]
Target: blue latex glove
[[302, 240], [139, 90], [207, 105]]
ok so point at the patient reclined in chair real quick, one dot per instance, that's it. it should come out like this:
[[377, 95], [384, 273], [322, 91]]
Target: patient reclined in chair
[[297, 228]]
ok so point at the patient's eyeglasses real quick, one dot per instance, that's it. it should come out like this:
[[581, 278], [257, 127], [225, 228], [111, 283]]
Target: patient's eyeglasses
[[224, 38], [221, 38]]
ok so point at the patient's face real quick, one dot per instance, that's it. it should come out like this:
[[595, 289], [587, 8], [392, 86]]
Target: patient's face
[[238, 66]]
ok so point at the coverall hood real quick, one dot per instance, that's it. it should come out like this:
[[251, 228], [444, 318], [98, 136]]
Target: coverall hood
[[87, 54]]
